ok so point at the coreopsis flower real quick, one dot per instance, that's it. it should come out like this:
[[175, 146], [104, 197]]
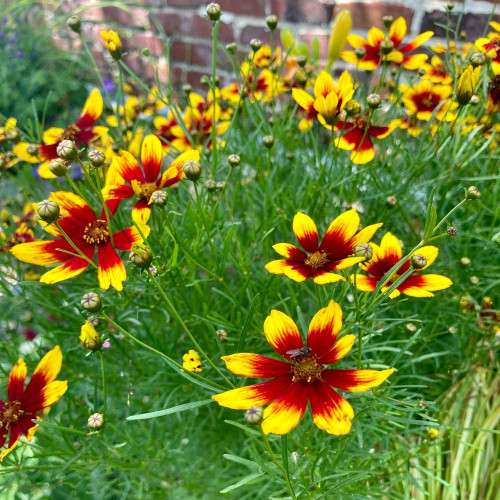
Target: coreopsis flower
[[386, 256], [491, 47], [22, 234], [265, 57], [87, 232], [436, 72], [399, 53], [191, 361], [113, 43], [163, 126], [328, 101], [81, 132], [493, 103], [319, 260], [425, 97], [411, 124], [357, 134], [302, 377], [26, 403], [143, 182], [466, 84]]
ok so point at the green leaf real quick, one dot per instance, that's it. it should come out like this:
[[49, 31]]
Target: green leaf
[[169, 411]]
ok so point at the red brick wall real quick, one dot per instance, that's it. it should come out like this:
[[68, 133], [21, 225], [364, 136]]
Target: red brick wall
[[182, 26]]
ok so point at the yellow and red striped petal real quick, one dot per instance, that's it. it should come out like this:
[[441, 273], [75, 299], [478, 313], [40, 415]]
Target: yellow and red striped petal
[[283, 414], [16, 380], [46, 397], [306, 232], [324, 277], [390, 247], [141, 212], [339, 350], [324, 329], [126, 166], [323, 85], [16, 432], [151, 157], [421, 286], [397, 31], [356, 41], [111, 271], [365, 283], [366, 234], [175, 171], [255, 365], [416, 42], [340, 231], [71, 268], [293, 270], [289, 251], [375, 37], [364, 153], [52, 135], [42, 253], [331, 412], [117, 192], [254, 395], [304, 100], [348, 262], [282, 333], [127, 238], [73, 206], [414, 62], [356, 380], [92, 110]]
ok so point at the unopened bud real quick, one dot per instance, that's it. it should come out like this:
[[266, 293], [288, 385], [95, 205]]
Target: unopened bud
[[360, 52], [205, 81], [233, 160], [473, 193], [421, 71], [48, 211], [255, 44], [231, 48], [268, 141], [95, 321], [13, 136], [474, 100], [58, 167], [213, 11], [478, 59], [74, 24], [422, 404], [32, 150], [474, 280], [96, 421], [433, 434], [272, 22], [352, 108], [222, 334], [418, 261], [463, 35], [465, 261], [452, 231], [391, 201], [91, 302], [153, 270], [411, 327], [254, 415], [210, 184], [220, 185], [67, 150], [450, 5], [452, 330], [386, 46], [96, 158], [373, 100], [90, 338], [159, 198], [364, 250], [192, 170], [387, 20], [141, 256], [302, 60], [187, 89]]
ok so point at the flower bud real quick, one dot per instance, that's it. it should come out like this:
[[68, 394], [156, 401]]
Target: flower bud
[[67, 150], [474, 280], [96, 158], [391, 201], [48, 211], [159, 198], [74, 24], [364, 250], [13, 136], [387, 20], [233, 160], [96, 421], [450, 6], [192, 170], [231, 48], [94, 320], [222, 334], [58, 167], [32, 150], [422, 404], [302, 60], [433, 434], [187, 89], [90, 338], [473, 193], [338, 36], [91, 302], [113, 43], [268, 141], [153, 270], [255, 44], [386, 46], [352, 108], [210, 184], [452, 330], [220, 185], [467, 84], [360, 52], [411, 327], [213, 11], [254, 415], [141, 256], [421, 71], [373, 100], [463, 35], [418, 261], [146, 52], [465, 261], [452, 231], [272, 22], [478, 59]]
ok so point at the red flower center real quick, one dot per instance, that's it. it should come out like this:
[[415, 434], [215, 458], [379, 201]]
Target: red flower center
[[11, 413], [359, 122], [96, 233], [428, 101], [307, 369], [316, 259], [70, 133]]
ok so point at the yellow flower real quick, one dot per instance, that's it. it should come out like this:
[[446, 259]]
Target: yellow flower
[[113, 43], [467, 84], [191, 361], [338, 36], [89, 337], [433, 433]]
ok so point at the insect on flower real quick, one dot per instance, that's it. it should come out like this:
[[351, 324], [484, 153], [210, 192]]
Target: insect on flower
[[295, 353]]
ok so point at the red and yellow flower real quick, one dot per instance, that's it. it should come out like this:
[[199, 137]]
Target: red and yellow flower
[[423, 99], [357, 135], [386, 256], [319, 260], [399, 54], [82, 132], [303, 377], [26, 403], [143, 182], [436, 72], [87, 232], [491, 47], [328, 101], [22, 234]]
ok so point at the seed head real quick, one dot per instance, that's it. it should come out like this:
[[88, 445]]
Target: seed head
[[222, 334], [231, 48], [391, 201], [360, 52], [32, 150], [433, 434], [452, 231], [478, 59], [411, 327], [255, 44], [465, 261], [211, 185], [373, 100], [474, 280], [388, 20], [187, 89], [386, 46], [352, 108]]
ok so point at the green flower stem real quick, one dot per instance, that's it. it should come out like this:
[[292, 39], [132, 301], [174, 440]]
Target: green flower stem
[[177, 316], [103, 384], [159, 353], [447, 216], [215, 32], [77, 250]]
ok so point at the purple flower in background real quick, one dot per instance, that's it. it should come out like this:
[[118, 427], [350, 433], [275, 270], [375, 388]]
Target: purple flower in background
[[109, 85], [77, 172], [19, 54]]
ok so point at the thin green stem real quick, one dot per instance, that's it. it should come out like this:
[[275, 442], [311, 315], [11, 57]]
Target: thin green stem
[[77, 250]]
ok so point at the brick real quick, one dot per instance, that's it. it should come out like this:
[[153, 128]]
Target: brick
[[259, 32], [137, 16], [256, 8], [187, 4], [366, 15], [147, 41], [278, 8], [472, 24], [308, 11], [197, 54], [193, 77]]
